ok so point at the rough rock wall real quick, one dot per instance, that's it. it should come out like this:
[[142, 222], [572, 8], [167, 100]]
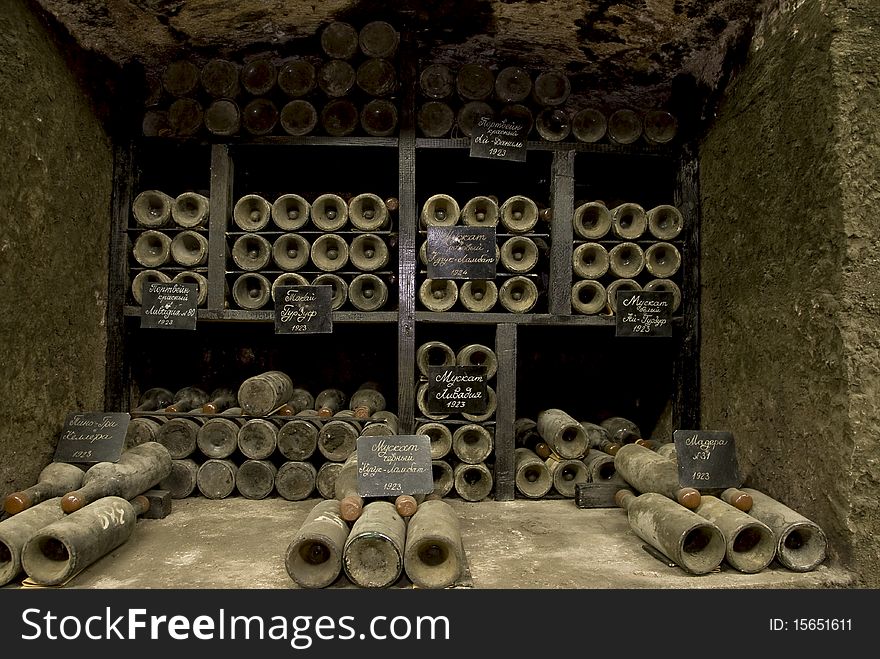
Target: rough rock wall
[[55, 183], [790, 332]]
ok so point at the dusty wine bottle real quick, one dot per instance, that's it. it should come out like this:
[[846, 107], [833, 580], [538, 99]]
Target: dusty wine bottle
[[626, 260], [648, 472], [251, 252], [290, 251], [690, 541], [152, 208], [382, 423], [300, 399], [469, 114], [440, 437], [190, 210], [223, 117], [260, 394], [368, 252], [434, 353], [258, 438], [146, 277], [55, 479], [337, 438], [601, 469], [259, 116], [473, 482], [478, 295], [298, 117], [438, 294], [376, 77], [251, 291], [665, 222], [142, 429], [137, 470], [551, 88], [339, 292], [152, 249], [378, 39], [437, 81], [434, 554], [480, 211], [314, 556], [297, 78], [219, 400], [295, 480], [193, 277], [621, 429], [325, 479], [336, 78], [443, 476], [589, 125], [367, 400], [181, 481], [368, 212], [329, 401], [590, 260], [258, 76], [750, 545], [339, 117], [801, 544], [519, 254], [566, 474], [588, 296], [472, 443], [422, 404], [520, 114], [662, 260], [531, 476], [491, 404], [185, 117], [367, 292], [179, 436], [379, 117], [251, 212], [563, 434], [189, 249], [435, 119], [290, 212], [155, 398], [629, 221], [345, 490], [518, 294], [477, 354], [216, 478], [474, 82], [329, 212], [180, 77], [624, 126], [297, 439], [255, 479], [592, 220], [219, 78], [660, 127], [618, 286], [287, 279], [330, 252], [373, 553], [440, 210], [526, 435], [15, 532], [339, 40], [187, 399], [62, 549], [513, 84], [553, 124], [218, 436], [519, 214]]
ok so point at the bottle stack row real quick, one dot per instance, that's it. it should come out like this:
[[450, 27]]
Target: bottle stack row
[[454, 98], [329, 240], [625, 248], [346, 86], [521, 251]]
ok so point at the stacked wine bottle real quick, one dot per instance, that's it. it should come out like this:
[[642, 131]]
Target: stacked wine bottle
[[267, 436], [291, 241], [462, 444], [346, 88], [624, 248], [169, 242], [521, 254], [453, 98]]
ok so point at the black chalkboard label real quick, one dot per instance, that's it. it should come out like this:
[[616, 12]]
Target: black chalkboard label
[[461, 252], [706, 459], [456, 389], [499, 139], [303, 310], [170, 306], [394, 465], [644, 313], [92, 437]]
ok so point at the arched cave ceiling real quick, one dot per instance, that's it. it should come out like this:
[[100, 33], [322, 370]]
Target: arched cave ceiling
[[641, 53]]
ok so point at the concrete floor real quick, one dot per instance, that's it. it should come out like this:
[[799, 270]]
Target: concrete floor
[[544, 544]]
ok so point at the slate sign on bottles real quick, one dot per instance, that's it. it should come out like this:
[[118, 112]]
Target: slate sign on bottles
[[499, 139], [456, 389], [461, 252], [169, 306], [706, 459], [394, 465], [92, 437], [303, 310], [644, 313]]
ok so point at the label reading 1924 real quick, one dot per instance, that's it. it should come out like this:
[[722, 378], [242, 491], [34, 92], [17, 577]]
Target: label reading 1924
[[461, 252], [394, 465], [92, 437], [456, 389], [706, 459], [169, 306], [644, 313], [303, 310], [500, 139]]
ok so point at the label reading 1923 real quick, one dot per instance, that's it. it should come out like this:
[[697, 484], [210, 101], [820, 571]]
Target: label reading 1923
[[644, 313], [500, 139], [461, 252], [706, 459], [303, 310], [394, 465], [456, 389], [92, 437], [169, 306]]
